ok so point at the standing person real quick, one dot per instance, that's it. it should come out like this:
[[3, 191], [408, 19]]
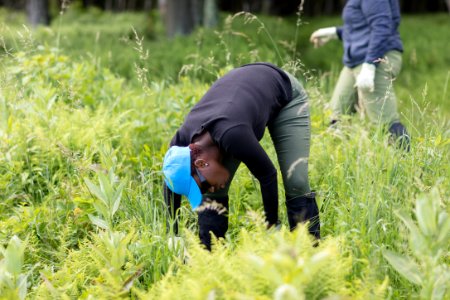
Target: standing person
[[224, 129], [372, 59]]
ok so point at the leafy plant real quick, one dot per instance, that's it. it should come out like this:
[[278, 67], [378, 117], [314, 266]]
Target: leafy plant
[[285, 266], [13, 282], [108, 196], [429, 241]]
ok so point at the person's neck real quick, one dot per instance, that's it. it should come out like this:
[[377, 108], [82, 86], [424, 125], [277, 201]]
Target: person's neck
[[204, 140]]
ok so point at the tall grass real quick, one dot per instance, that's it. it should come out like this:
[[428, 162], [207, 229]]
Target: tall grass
[[84, 127]]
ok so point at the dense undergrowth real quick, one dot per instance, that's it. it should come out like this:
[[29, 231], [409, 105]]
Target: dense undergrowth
[[87, 108]]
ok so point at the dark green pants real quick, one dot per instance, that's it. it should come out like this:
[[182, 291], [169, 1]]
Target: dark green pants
[[290, 132]]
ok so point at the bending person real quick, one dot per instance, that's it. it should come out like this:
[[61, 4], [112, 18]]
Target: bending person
[[372, 59], [224, 129]]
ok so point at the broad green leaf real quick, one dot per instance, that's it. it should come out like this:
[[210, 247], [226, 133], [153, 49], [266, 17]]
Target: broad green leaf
[[441, 284], [101, 209], [417, 240], [22, 286], [117, 198], [407, 221], [426, 215], [99, 222], [444, 229], [96, 191], [405, 266], [105, 187], [14, 256]]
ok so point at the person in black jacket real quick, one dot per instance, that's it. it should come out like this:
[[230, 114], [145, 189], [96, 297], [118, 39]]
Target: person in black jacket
[[224, 129]]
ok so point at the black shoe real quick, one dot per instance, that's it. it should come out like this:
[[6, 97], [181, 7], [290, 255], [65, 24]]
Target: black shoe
[[303, 209], [333, 123], [400, 136]]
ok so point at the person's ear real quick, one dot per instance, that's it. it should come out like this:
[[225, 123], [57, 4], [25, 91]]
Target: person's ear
[[200, 163]]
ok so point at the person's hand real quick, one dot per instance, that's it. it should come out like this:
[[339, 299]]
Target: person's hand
[[323, 35], [176, 243], [366, 77]]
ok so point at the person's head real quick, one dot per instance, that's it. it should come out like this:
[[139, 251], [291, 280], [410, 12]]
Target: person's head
[[193, 170]]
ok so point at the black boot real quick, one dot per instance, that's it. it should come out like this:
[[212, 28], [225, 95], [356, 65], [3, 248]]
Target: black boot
[[333, 123], [400, 135], [212, 218], [302, 209]]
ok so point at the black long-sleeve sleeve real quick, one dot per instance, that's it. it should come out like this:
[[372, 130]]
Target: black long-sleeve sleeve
[[241, 143]]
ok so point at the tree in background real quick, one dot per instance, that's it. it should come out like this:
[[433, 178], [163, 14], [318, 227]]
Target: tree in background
[[211, 13], [182, 16], [178, 16], [37, 12]]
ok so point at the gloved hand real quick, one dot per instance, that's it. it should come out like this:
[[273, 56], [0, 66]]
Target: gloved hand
[[176, 244], [323, 35], [178, 248], [366, 77]]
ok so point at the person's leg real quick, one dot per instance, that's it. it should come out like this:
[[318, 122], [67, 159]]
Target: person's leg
[[345, 96], [290, 132], [381, 104], [213, 211]]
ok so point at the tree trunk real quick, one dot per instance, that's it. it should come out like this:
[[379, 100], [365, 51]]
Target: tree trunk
[[86, 3], [178, 17], [108, 4], [267, 6], [448, 5], [328, 7], [210, 14], [122, 6], [197, 11], [148, 5], [37, 12], [132, 5]]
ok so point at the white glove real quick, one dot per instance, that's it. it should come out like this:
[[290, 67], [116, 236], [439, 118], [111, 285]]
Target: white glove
[[176, 244], [323, 35], [366, 77]]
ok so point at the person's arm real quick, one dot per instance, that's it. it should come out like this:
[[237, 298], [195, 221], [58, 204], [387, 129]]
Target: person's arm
[[241, 143], [323, 35], [379, 17]]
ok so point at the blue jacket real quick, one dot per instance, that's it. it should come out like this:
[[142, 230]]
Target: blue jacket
[[370, 30]]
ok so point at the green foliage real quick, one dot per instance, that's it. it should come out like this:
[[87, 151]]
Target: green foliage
[[88, 106], [80, 84], [108, 198], [429, 243], [13, 283], [285, 266]]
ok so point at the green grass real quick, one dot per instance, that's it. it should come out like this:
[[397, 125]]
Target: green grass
[[85, 119]]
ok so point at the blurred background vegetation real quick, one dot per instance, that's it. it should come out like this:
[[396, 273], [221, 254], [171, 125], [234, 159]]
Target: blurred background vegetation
[[176, 38], [92, 92]]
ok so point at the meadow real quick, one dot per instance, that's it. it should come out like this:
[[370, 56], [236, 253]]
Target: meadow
[[88, 106]]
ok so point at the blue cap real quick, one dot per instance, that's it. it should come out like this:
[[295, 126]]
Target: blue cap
[[177, 174]]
